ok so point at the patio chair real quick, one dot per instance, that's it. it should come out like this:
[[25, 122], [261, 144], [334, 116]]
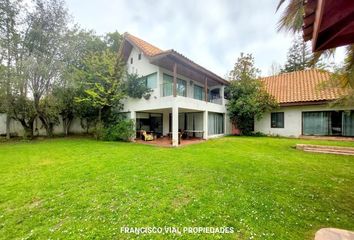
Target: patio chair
[[147, 137]]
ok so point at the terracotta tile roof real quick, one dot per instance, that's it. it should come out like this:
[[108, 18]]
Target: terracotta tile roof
[[152, 51], [301, 87], [146, 47]]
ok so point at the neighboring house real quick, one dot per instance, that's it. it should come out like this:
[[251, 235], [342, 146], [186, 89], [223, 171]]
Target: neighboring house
[[185, 97], [304, 107]]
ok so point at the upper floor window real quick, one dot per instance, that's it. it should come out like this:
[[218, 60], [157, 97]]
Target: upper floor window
[[139, 56], [277, 120], [131, 60], [151, 80], [181, 88], [199, 92], [167, 86]]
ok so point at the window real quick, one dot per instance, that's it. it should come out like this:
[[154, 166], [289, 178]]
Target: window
[[139, 56], [215, 123], [199, 92], [131, 60], [277, 120], [167, 88], [181, 88], [167, 85], [151, 80]]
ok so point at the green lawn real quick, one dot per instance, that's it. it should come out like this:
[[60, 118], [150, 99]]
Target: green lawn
[[81, 188]]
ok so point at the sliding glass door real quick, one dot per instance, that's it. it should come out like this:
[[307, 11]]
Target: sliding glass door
[[315, 123], [328, 123], [348, 123], [215, 123]]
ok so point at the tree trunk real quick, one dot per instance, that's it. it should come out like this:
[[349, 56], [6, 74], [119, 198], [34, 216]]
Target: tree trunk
[[28, 127], [8, 121], [66, 124]]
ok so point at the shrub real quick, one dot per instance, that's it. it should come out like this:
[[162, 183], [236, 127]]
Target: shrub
[[123, 130]]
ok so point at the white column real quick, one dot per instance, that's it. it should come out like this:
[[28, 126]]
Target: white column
[[222, 93], [133, 117], [205, 125], [175, 126]]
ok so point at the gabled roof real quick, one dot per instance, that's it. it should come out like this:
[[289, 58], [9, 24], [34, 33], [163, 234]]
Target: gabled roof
[[147, 48], [301, 87], [156, 56]]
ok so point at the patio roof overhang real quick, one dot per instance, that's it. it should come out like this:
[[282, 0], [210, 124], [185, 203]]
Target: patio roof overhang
[[328, 23], [168, 59], [186, 67]]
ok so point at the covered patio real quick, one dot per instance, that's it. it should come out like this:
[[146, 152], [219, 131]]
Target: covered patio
[[176, 126], [166, 141]]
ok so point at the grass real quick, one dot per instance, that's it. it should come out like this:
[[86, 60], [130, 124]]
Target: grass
[[262, 187]]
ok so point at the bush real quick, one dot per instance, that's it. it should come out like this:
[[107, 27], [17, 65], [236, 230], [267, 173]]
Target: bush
[[120, 131], [98, 131]]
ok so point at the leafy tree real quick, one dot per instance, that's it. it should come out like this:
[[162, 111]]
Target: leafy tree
[[65, 100], [24, 112], [45, 45], [244, 68], [113, 41], [248, 100], [101, 78], [299, 56], [9, 40], [135, 86]]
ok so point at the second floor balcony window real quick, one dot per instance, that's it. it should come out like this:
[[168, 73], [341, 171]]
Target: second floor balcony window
[[167, 86], [199, 92]]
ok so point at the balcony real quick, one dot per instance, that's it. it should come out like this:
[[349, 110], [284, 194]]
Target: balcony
[[166, 89]]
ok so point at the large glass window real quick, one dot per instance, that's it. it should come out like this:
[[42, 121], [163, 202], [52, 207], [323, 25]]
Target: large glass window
[[167, 85], [215, 123], [348, 123], [277, 120], [181, 88], [151, 80], [199, 92], [316, 123]]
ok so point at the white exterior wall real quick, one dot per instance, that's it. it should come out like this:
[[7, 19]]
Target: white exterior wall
[[164, 105], [292, 120], [16, 127]]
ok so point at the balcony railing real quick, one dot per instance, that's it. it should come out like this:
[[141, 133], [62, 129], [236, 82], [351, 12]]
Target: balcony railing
[[214, 98], [167, 90]]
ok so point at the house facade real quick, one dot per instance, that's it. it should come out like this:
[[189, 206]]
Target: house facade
[[185, 96], [305, 107]]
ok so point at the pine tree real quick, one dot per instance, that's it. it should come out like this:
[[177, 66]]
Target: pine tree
[[299, 56]]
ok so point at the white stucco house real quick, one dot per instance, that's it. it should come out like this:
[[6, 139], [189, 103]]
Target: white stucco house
[[186, 97], [305, 107]]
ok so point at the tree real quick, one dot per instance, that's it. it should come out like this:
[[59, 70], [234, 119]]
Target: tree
[[45, 45], [248, 100], [244, 68], [274, 69], [299, 56], [135, 86], [101, 77], [9, 39], [113, 41]]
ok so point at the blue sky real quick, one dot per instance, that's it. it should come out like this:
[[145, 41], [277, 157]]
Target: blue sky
[[210, 32]]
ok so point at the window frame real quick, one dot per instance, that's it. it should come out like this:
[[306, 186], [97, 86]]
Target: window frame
[[275, 114]]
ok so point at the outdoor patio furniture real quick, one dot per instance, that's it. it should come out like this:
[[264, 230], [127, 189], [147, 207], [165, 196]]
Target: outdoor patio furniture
[[147, 137], [193, 132]]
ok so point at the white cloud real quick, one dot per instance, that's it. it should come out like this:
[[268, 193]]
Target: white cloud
[[211, 33]]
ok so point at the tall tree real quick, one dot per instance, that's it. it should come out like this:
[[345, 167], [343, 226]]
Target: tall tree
[[45, 44], [9, 39], [299, 56], [244, 68], [102, 79], [248, 100]]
